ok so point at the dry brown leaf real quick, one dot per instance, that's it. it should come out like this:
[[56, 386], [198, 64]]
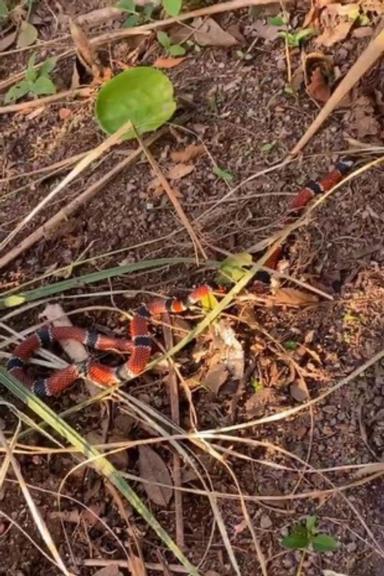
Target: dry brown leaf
[[268, 32], [318, 87], [209, 33], [8, 40], [299, 391], [230, 348], [362, 32], [191, 152], [167, 62], [373, 6], [293, 297], [136, 566], [109, 570], [156, 188], [362, 120], [336, 23], [180, 171], [181, 327], [153, 468], [216, 377], [334, 34], [85, 50], [365, 61]]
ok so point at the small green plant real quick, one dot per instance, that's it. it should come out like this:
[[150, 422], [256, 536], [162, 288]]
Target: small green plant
[[280, 20], [291, 345], [225, 175], [293, 38], [136, 15], [306, 536], [257, 385], [37, 82], [233, 268], [139, 16], [171, 49], [268, 147]]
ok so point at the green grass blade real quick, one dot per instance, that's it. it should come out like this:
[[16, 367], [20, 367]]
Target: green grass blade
[[14, 298], [97, 461]]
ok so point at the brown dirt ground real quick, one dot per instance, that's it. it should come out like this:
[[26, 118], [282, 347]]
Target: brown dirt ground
[[239, 106]]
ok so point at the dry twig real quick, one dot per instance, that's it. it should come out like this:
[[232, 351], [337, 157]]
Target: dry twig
[[75, 204], [365, 61]]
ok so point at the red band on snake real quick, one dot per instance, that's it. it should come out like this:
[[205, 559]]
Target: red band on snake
[[140, 344]]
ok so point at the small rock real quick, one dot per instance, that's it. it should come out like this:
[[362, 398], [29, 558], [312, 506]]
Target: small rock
[[265, 522]]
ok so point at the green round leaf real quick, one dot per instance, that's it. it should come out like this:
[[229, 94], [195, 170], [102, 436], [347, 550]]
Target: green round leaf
[[172, 7], [143, 95], [324, 543]]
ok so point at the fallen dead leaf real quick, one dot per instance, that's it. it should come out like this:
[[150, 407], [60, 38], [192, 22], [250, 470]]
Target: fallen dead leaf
[[85, 51], [191, 152], [230, 349], [256, 403], [7, 40], [180, 171], [153, 469], [293, 297], [167, 62], [27, 35], [299, 391], [209, 33], [136, 566], [318, 87], [268, 32], [157, 189], [362, 32], [362, 120], [181, 327], [215, 378], [336, 22], [109, 570], [334, 34]]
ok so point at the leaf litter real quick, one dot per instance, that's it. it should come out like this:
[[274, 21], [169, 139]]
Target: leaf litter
[[153, 469]]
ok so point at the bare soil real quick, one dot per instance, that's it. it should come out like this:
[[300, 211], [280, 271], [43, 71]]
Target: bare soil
[[242, 113]]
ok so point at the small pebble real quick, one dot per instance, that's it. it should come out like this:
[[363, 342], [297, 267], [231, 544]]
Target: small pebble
[[265, 522]]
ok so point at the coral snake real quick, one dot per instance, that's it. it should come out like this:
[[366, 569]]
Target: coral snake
[[139, 346]]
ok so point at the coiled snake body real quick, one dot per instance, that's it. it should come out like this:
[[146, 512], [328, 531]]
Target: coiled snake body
[[139, 346]]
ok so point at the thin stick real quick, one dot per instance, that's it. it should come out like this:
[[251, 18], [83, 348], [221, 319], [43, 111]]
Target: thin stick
[[208, 11], [173, 391], [52, 168], [76, 171], [23, 106], [360, 67], [172, 196], [75, 204]]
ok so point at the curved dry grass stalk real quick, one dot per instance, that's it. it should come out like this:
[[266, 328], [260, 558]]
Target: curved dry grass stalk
[[75, 172], [77, 202], [174, 200]]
